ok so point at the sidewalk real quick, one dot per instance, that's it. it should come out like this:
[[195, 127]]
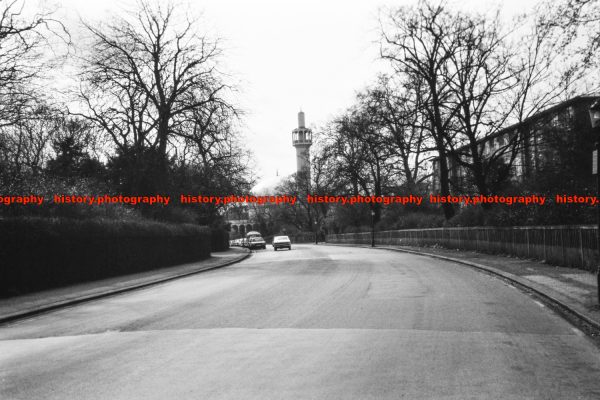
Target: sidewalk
[[572, 289], [34, 303]]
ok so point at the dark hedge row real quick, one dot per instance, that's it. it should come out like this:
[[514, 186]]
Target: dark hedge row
[[39, 253], [219, 239]]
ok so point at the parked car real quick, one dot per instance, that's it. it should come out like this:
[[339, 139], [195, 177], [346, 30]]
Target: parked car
[[257, 242], [281, 242], [245, 241]]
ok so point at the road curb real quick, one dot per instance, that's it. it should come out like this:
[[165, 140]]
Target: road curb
[[505, 275], [67, 303]]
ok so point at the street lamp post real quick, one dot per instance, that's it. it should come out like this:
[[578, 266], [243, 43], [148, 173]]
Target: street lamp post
[[372, 228], [595, 121], [316, 232]]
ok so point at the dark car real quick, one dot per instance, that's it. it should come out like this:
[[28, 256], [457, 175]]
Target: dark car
[[257, 242], [281, 242]]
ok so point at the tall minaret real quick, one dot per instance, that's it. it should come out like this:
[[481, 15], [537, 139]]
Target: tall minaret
[[302, 140]]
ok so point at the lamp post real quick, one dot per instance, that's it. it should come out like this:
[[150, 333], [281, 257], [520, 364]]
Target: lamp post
[[595, 121], [372, 228], [316, 232]]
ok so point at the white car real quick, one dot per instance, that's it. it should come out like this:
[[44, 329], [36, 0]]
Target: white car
[[257, 242], [280, 242]]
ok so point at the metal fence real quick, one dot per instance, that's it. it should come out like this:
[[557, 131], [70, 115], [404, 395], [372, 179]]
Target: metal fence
[[568, 246]]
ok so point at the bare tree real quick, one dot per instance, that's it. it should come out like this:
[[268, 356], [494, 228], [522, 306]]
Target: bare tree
[[418, 42], [477, 79], [27, 121], [482, 80], [361, 155], [26, 144], [24, 39], [395, 108], [573, 24], [148, 75], [324, 175], [500, 77]]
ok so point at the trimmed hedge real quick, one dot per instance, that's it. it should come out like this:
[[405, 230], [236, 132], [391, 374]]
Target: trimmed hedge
[[219, 239], [41, 253]]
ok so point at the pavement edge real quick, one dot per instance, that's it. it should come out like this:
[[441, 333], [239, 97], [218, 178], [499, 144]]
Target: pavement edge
[[83, 299], [504, 275]]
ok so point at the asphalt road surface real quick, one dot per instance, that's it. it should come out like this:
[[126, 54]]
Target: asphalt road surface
[[312, 323]]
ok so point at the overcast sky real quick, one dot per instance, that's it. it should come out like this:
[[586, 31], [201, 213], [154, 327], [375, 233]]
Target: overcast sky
[[288, 55]]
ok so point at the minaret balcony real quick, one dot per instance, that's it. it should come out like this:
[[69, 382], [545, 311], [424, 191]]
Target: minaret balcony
[[301, 136], [302, 142]]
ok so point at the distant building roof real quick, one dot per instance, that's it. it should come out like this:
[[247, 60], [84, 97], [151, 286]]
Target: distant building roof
[[268, 186]]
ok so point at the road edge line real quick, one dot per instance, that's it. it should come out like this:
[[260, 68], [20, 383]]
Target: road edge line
[[84, 299], [505, 275]]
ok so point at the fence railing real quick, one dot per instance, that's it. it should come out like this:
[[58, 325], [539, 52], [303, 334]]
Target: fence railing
[[568, 246]]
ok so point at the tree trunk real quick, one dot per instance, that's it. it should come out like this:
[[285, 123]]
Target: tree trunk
[[444, 182]]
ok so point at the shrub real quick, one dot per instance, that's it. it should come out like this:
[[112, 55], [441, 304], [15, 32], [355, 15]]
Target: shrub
[[415, 220], [219, 239], [40, 253]]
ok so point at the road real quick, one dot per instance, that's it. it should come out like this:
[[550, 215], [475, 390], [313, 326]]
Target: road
[[312, 323]]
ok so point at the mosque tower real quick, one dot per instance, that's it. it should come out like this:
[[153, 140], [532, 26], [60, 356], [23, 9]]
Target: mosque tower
[[302, 140]]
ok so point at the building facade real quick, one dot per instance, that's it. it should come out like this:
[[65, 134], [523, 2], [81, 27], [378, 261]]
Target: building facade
[[561, 135]]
